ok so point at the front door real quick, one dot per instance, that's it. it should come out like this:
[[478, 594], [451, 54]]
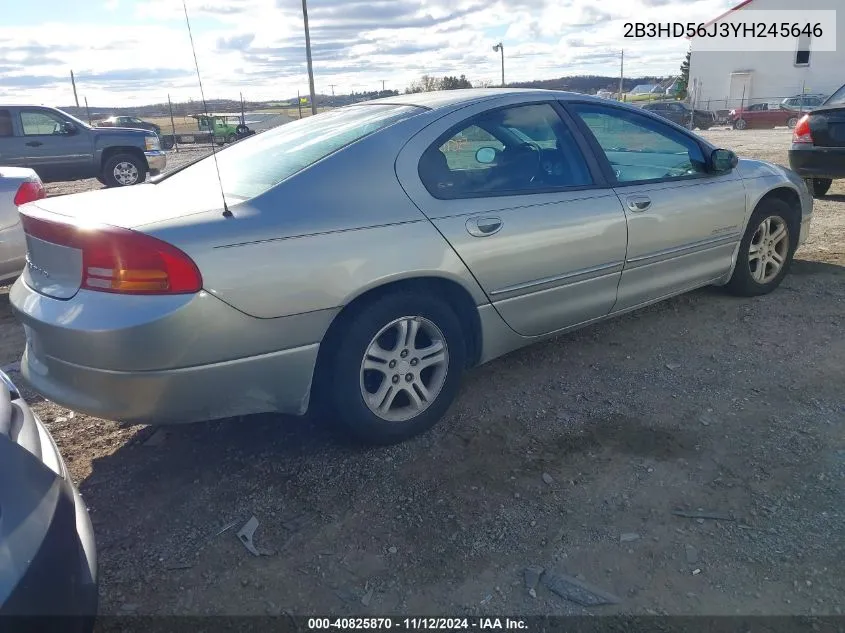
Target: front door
[[683, 222], [512, 192], [44, 145]]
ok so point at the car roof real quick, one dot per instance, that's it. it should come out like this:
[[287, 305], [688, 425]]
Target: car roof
[[446, 98]]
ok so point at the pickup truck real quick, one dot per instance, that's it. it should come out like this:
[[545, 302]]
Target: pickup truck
[[61, 147]]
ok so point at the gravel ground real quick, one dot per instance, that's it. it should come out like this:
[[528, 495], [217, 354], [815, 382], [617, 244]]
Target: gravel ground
[[175, 158], [571, 455]]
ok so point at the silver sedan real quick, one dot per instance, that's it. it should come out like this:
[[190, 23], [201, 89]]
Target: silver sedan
[[18, 185], [363, 259]]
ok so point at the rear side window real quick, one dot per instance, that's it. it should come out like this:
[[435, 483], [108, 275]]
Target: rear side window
[[5, 123], [507, 151], [837, 98], [257, 164]]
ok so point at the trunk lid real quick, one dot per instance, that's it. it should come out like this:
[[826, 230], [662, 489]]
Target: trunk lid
[[827, 125], [55, 270]]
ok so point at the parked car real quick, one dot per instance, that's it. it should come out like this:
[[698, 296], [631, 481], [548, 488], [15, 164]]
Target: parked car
[[802, 104], [310, 285], [18, 185], [762, 115], [818, 144], [130, 122], [47, 544], [682, 114], [61, 147]]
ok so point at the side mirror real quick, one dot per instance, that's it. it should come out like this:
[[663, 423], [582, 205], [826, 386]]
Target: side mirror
[[723, 161], [68, 128], [485, 155]]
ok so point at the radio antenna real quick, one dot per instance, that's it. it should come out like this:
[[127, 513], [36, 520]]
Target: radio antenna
[[226, 212]]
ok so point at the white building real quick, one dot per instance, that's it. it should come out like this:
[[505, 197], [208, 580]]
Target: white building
[[725, 80]]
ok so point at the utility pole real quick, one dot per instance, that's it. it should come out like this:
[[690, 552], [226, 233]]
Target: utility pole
[[382, 85], [73, 83], [308, 57], [299, 103], [621, 74], [499, 48], [172, 122], [87, 111], [332, 87]]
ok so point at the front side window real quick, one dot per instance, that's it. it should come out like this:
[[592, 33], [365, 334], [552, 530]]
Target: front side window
[[39, 123], [259, 163], [508, 151], [641, 149]]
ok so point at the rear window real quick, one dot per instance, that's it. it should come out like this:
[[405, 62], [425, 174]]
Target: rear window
[[837, 98], [259, 163]]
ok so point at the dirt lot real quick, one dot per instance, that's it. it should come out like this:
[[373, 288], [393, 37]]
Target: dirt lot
[[571, 455]]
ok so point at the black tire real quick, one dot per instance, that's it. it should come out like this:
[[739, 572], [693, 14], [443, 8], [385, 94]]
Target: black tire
[[818, 186], [242, 129], [108, 175], [231, 138], [167, 142], [704, 126], [792, 122], [344, 374], [742, 282], [740, 124]]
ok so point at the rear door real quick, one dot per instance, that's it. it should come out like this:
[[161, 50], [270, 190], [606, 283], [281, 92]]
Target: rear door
[[524, 204], [10, 149], [683, 222]]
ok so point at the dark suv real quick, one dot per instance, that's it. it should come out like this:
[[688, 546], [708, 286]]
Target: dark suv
[[60, 147], [818, 144], [131, 122], [682, 114]]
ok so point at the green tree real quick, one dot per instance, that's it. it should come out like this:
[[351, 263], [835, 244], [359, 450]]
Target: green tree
[[683, 82], [454, 83]]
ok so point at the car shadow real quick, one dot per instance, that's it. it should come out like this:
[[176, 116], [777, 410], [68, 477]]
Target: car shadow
[[833, 197]]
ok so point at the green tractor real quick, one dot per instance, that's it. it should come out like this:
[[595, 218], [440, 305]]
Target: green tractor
[[225, 128]]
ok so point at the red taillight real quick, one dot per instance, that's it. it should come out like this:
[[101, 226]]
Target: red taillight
[[29, 191], [119, 260], [802, 132]]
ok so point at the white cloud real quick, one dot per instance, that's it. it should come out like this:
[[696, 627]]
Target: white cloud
[[257, 46]]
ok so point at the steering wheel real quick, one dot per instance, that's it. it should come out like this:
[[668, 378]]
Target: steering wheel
[[539, 153]]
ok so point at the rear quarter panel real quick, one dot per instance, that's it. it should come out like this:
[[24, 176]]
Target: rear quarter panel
[[321, 238]]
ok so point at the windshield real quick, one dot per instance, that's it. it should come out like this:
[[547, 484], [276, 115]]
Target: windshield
[[81, 124], [254, 165], [837, 98]]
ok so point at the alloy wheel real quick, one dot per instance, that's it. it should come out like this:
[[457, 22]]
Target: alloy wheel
[[125, 173], [404, 368], [768, 249]]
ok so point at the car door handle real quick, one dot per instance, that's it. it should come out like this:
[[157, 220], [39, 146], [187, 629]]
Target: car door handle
[[483, 227], [638, 204], [34, 144]]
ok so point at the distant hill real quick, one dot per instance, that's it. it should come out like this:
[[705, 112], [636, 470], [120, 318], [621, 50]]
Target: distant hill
[[588, 84]]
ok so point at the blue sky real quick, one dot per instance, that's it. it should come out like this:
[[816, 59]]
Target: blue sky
[[127, 52]]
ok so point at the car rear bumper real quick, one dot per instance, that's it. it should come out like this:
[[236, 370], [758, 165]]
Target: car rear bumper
[[165, 359], [810, 161], [156, 161], [277, 382]]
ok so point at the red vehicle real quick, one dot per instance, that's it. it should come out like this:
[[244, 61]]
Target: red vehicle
[[762, 115]]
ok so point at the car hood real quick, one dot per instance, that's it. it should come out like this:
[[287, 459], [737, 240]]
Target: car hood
[[122, 131]]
